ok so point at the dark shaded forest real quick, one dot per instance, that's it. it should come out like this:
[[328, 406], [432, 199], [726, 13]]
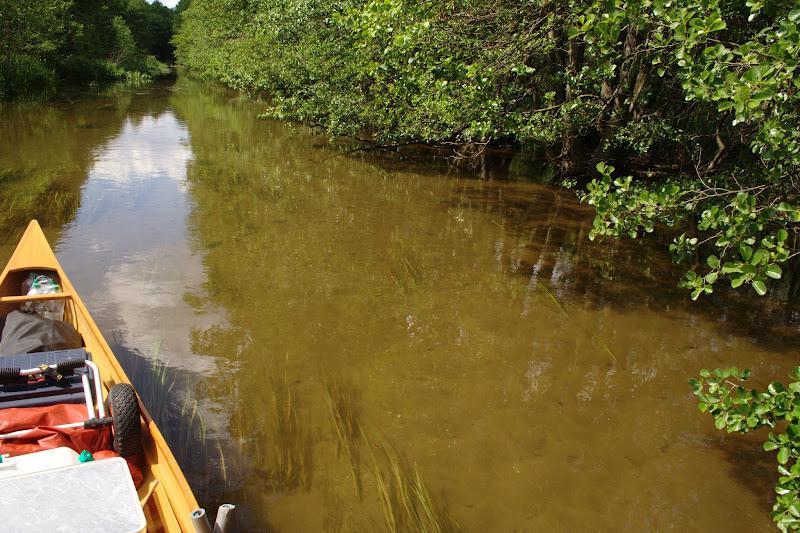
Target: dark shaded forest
[[44, 43]]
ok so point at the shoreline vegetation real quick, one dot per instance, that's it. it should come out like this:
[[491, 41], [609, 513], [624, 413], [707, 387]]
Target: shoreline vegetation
[[47, 44], [666, 113]]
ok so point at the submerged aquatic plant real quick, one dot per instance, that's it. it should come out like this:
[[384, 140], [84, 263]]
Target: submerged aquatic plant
[[407, 504], [402, 495], [593, 336], [183, 425], [343, 408], [291, 441]]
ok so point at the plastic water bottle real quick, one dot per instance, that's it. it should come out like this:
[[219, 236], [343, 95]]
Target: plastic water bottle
[[38, 283]]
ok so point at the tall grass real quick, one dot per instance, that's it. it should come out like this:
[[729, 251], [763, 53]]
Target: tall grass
[[406, 502], [291, 444], [344, 411], [404, 499], [178, 414], [27, 194], [599, 342], [22, 74]]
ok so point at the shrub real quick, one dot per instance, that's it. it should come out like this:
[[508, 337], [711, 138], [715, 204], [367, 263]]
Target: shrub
[[22, 74]]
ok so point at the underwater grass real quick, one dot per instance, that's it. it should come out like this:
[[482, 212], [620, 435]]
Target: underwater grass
[[406, 502], [28, 194], [344, 412], [405, 274], [594, 337], [402, 496], [291, 442], [182, 424], [383, 490]]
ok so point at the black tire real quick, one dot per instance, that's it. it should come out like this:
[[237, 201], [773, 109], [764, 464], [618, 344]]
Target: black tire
[[126, 426]]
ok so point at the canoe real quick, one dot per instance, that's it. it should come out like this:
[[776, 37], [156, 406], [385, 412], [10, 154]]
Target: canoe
[[167, 500]]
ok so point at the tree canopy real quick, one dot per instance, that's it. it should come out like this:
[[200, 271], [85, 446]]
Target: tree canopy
[[42, 41]]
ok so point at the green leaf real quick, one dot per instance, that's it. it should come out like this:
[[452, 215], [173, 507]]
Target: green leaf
[[724, 105], [712, 261], [774, 271], [746, 252], [760, 256], [783, 455], [729, 268], [760, 287], [769, 446], [775, 388]]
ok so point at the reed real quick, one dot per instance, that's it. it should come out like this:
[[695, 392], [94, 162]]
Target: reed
[[593, 336], [182, 423], [291, 442], [406, 502], [383, 490], [343, 408]]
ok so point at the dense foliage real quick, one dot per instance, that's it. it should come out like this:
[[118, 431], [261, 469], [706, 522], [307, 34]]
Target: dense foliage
[[696, 103], [738, 409], [44, 41], [735, 69]]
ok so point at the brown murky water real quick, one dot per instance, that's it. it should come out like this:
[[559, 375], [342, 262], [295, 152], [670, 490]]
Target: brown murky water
[[346, 343]]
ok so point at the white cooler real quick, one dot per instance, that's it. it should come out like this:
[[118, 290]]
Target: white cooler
[[93, 497]]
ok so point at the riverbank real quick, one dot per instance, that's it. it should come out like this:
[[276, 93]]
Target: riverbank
[[675, 127]]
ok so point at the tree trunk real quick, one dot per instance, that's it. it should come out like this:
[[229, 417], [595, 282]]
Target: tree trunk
[[572, 146]]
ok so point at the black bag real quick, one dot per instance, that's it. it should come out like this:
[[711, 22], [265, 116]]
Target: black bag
[[29, 333]]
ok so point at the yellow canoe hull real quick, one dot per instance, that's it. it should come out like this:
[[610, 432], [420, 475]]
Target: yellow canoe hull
[[166, 497]]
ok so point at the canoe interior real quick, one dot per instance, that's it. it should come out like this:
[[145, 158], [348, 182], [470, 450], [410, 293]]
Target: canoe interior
[[165, 494]]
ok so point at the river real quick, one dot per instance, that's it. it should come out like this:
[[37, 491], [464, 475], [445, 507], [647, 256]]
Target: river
[[340, 341]]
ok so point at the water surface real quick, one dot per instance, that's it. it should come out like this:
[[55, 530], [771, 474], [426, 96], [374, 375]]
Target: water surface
[[343, 342]]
